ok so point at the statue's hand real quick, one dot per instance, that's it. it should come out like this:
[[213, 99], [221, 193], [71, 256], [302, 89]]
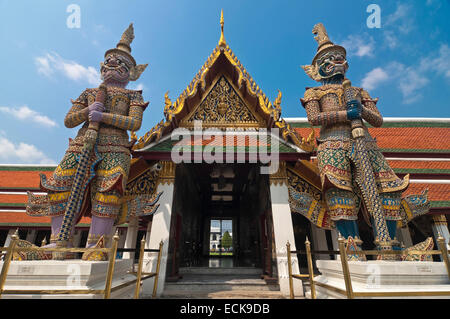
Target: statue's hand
[[354, 109], [95, 116], [354, 104], [96, 106]]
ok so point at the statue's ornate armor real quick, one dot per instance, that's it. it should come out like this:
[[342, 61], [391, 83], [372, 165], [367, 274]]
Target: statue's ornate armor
[[326, 106], [123, 111]]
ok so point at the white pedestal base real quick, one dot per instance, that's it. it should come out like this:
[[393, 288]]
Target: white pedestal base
[[66, 275], [383, 276]]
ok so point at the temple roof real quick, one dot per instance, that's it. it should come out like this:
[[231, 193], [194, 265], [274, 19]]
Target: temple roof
[[223, 64], [411, 137], [243, 144]]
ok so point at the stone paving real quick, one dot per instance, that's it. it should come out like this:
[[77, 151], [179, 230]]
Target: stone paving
[[233, 283]]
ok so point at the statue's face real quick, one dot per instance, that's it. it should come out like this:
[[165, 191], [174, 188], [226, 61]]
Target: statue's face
[[116, 67], [331, 64]]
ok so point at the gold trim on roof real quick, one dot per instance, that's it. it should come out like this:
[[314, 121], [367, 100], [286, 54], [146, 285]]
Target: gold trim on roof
[[234, 114], [271, 110]]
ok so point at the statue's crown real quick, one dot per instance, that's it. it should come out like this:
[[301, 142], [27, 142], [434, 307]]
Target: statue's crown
[[325, 44], [321, 36], [124, 45]]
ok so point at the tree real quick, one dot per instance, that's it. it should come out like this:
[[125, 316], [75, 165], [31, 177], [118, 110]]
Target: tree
[[227, 240]]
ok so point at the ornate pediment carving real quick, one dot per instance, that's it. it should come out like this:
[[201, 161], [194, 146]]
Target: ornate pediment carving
[[223, 107]]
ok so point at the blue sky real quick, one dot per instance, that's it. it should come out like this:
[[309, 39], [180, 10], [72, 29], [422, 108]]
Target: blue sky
[[405, 63]]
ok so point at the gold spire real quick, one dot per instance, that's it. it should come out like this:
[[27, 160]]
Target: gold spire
[[321, 36], [127, 38], [222, 42], [124, 45], [325, 44]]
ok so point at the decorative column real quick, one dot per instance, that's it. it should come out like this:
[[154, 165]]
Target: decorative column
[[31, 235], [160, 229], [8, 238], [440, 227], [319, 239], [334, 239], [283, 230], [76, 237], [404, 236], [109, 239], [122, 239], [130, 241]]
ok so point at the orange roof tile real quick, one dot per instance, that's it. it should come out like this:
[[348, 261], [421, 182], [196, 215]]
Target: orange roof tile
[[412, 138], [18, 178], [23, 218], [436, 192], [441, 165], [12, 198], [403, 138]]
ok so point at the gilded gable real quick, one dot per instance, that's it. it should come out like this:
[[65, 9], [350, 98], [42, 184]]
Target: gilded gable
[[222, 107]]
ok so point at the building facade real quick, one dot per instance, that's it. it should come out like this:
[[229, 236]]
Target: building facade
[[204, 175]]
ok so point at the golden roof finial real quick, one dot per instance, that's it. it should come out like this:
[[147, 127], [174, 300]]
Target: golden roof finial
[[222, 42]]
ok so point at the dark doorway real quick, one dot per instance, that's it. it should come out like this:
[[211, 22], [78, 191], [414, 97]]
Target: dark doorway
[[3, 235], [41, 234], [140, 235], [220, 209], [302, 229]]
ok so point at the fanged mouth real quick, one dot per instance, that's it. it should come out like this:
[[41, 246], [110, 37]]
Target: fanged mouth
[[117, 69], [336, 67]]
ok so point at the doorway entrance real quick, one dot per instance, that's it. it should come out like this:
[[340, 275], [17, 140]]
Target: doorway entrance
[[221, 242], [221, 237], [217, 213]]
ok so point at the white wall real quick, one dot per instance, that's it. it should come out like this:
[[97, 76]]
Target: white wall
[[284, 232], [160, 231]]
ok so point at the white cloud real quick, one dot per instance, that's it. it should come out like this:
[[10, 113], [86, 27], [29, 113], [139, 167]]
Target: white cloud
[[402, 19], [359, 46], [21, 153], [414, 78], [52, 63], [440, 62], [24, 113], [390, 39], [410, 85], [374, 78], [399, 23], [137, 87], [43, 65], [410, 80]]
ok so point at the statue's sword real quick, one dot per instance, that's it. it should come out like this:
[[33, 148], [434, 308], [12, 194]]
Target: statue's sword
[[365, 178], [83, 175]]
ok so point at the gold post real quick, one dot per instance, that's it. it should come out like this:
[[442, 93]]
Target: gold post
[[222, 42], [444, 252], [310, 268], [345, 270], [155, 286], [44, 242], [7, 260], [112, 260], [291, 284], [139, 272]]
